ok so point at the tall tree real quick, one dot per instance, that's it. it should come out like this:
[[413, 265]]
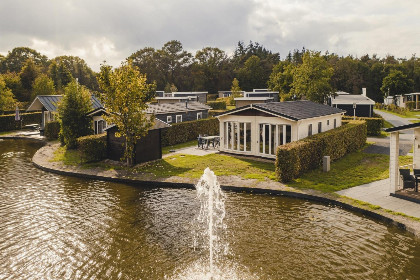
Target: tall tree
[[78, 69], [125, 93], [312, 78], [252, 74], [235, 91], [147, 60], [16, 59], [7, 100], [43, 85], [396, 83], [72, 114], [27, 76], [60, 74], [12, 81]]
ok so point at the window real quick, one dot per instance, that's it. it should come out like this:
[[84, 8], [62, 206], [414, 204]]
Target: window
[[169, 119], [310, 130], [335, 123], [328, 122], [178, 118], [199, 115], [319, 127]]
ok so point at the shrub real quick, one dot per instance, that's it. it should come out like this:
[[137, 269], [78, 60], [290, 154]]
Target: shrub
[[217, 105], [52, 130], [213, 113], [92, 147], [187, 131], [7, 122], [392, 108], [374, 125], [300, 156], [411, 105]]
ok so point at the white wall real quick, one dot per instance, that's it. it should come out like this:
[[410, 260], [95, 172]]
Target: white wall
[[304, 125]]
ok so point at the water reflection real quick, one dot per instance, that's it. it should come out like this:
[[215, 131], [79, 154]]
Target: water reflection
[[55, 227]]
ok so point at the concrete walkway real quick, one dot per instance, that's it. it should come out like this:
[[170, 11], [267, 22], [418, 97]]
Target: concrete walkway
[[395, 120], [193, 150], [377, 193]]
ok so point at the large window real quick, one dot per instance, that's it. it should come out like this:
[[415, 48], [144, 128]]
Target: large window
[[168, 119], [199, 115], [178, 118], [310, 130], [237, 136], [319, 127], [272, 135]]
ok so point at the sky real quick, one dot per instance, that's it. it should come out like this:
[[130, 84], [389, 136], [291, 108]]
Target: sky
[[105, 30]]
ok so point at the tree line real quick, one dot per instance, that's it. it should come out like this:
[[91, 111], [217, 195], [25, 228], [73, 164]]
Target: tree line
[[26, 73]]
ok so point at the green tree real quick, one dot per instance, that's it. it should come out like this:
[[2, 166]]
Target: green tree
[[17, 58], [72, 114], [7, 100], [78, 69], [281, 79], [27, 76], [60, 74], [148, 62], [12, 81], [43, 85], [252, 75], [396, 83], [312, 78], [125, 93]]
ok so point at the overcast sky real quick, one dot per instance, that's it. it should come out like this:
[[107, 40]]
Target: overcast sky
[[98, 30]]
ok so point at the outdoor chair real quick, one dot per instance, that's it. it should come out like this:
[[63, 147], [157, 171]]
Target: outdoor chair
[[408, 180], [200, 141], [216, 142]]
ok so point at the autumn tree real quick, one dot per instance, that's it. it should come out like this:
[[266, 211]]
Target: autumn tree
[[12, 81], [125, 93], [7, 100], [43, 85], [235, 91], [72, 114], [312, 78], [60, 74]]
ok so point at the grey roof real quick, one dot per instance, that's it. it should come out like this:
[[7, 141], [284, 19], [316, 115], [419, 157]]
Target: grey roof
[[50, 102], [294, 110], [167, 108], [254, 98], [402, 127], [352, 98]]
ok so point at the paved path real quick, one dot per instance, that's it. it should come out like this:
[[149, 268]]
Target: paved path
[[193, 150], [377, 193], [395, 120]]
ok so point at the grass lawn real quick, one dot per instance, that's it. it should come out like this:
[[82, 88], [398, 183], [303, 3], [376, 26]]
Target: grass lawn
[[230, 107], [408, 114], [165, 150], [8, 132], [352, 170], [387, 124], [193, 166], [68, 157]]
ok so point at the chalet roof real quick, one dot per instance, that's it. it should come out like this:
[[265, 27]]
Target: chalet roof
[[157, 125], [168, 108], [254, 98], [50, 103], [351, 98], [293, 110], [402, 127]]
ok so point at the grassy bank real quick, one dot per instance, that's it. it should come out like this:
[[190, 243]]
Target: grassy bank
[[408, 114]]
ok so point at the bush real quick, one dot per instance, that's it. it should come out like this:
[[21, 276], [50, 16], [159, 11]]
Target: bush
[[92, 147], [374, 125], [392, 108], [217, 105], [187, 131], [52, 130], [300, 156], [213, 113], [7, 122], [411, 105]]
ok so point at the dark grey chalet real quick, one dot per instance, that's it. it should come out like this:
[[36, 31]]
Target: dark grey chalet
[[179, 112]]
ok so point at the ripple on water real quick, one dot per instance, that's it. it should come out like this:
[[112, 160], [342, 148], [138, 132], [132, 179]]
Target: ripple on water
[[55, 227]]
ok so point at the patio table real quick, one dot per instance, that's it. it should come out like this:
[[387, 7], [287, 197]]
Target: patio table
[[209, 139]]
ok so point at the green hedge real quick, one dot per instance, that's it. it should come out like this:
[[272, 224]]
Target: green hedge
[[374, 125], [392, 108], [187, 131], [411, 105], [297, 157], [217, 105], [7, 122], [52, 130], [92, 147]]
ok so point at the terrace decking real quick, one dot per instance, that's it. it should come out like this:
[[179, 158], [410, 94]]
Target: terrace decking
[[408, 194]]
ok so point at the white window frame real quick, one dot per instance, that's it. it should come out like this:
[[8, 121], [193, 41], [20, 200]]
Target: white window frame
[[176, 118], [169, 119], [199, 115]]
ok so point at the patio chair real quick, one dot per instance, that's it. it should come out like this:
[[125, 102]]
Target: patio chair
[[200, 141], [408, 180], [216, 142]]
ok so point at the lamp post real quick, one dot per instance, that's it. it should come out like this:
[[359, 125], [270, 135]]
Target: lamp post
[[354, 111]]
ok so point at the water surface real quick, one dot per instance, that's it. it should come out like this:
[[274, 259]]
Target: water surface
[[57, 227]]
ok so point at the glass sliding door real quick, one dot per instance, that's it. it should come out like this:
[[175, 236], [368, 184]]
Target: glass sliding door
[[238, 136], [273, 135], [248, 137]]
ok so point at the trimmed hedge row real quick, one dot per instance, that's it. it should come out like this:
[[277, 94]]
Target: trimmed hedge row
[[374, 125], [92, 147], [297, 157], [7, 122], [52, 130], [217, 105], [187, 131]]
